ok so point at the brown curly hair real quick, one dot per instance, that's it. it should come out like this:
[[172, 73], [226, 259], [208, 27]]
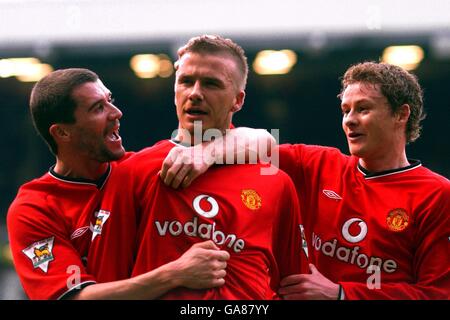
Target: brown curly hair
[[397, 85]]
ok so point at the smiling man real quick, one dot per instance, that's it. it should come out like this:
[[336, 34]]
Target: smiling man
[[376, 222], [54, 218]]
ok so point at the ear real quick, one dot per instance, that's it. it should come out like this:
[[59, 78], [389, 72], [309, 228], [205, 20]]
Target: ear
[[403, 114], [59, 132], [240, 97]]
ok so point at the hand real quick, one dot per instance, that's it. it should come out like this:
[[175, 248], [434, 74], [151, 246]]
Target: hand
[[202, 266], [312, 286], [183, 165]]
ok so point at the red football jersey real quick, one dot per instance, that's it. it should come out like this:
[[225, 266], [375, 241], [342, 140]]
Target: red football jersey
[[51, 224], [381, 236], [254, 217]]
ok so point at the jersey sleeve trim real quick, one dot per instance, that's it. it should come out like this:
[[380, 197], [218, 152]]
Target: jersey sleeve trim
[[78, 287]]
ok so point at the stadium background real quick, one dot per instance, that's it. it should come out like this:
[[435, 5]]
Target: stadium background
[[326, 37]]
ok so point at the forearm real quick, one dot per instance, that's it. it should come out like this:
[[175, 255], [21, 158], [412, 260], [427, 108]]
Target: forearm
[[393, 291], [241, 145], [150, 285]]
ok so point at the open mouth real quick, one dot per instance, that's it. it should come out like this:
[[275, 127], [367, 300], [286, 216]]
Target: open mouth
[[196, 112], [354, 135], [114, 135]]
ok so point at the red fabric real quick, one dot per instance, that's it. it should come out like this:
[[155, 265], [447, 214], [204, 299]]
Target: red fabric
[[50, 219], [264, 242], [414, 256]]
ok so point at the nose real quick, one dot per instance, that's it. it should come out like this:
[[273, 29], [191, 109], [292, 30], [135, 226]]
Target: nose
[[114, 112], [196, 93], [350, 119]]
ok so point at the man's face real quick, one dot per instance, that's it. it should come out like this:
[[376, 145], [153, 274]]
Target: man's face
[[207, 90], [368, 122], [95, 132]]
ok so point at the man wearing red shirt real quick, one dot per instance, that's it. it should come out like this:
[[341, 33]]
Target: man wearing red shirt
[[376, 222], [54, 218], [231, 205]]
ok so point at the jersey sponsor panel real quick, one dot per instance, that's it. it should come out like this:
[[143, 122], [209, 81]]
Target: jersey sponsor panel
[[394, 222], [230, 205]]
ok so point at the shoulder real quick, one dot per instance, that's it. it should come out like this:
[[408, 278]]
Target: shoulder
[[29, 209], [431, 179], [157, 152], [431, 190], [299, 160], [300, 147], [42, 199], [263, 174], [304, 152], [145, 162], [126, 156], [442, 186], [33, 192]]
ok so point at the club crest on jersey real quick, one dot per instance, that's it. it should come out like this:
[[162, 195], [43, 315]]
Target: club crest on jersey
[[40, 253], [251, 199], [397, 220], [100, 218]]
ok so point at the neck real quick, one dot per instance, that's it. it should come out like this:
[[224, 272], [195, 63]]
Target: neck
[[186, 139], [194, 137], [74, 168], [385, 162]]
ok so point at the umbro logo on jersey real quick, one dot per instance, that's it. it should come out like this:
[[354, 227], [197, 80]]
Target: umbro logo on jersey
[[331, 194], [79, 232], [40, 253]]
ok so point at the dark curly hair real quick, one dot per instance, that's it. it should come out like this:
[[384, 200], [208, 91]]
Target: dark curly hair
[[397, 85]]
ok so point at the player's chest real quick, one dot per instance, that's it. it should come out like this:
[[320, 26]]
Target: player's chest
[[241, 213], [371, 216], [80, 214]]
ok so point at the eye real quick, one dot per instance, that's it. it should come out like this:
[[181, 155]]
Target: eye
[[184, 81], [363, 109], [99, 107], [212, 84], [111, 100]]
